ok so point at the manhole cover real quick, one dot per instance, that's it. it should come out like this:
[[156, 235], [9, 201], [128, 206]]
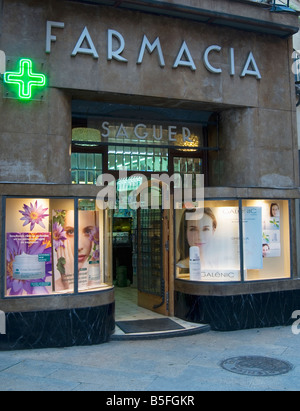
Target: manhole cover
[[257, 366]]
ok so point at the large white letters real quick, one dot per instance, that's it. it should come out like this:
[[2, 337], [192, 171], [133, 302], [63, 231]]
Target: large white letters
[[85, 36], [247, 70], [115, 54], [206, 61], [49, 36], [185, 63], [151, 47], [116, 46]]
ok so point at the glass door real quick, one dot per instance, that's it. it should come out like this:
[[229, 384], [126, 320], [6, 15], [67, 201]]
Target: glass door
[[152, 236]]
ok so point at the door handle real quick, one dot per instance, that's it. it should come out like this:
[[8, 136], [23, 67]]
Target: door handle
[[167, 245]]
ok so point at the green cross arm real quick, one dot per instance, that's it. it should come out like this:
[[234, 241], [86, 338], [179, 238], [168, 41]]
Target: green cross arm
[[25, 79]]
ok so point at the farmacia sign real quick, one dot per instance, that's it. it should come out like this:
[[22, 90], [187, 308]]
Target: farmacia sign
[[116, 50]]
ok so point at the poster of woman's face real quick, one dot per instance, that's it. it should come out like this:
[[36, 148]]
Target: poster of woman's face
[[217, 236], [64, 246], [195, 233], [274, 210], [271, 229]]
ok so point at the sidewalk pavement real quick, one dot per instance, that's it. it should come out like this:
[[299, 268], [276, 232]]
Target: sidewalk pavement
[[190, 363]]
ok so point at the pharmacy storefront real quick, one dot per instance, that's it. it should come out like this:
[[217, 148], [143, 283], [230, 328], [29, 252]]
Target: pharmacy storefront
[[145, 147]]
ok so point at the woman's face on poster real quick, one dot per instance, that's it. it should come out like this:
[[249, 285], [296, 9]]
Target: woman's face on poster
[[86, 225], [275, 210], [200, 232], [265, 250]]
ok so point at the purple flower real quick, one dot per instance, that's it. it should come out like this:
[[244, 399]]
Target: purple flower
[[94, 235], [96, 255], [59, 236], [33, 215]]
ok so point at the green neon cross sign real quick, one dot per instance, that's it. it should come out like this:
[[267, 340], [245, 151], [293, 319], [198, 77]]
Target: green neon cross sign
[[25, 79]]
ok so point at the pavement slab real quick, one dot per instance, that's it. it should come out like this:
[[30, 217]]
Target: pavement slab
[[181, 364]]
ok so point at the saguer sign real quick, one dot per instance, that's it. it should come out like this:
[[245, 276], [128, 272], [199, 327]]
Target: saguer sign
[[116, 50]]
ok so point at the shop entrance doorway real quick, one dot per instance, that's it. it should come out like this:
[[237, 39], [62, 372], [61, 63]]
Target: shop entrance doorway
[[108, 138], [141, 257], [153, 260]]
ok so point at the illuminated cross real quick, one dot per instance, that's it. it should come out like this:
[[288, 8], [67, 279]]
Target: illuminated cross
[[25, 79]]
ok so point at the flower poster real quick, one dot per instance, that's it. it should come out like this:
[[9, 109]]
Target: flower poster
[[28, 247], [28, 264], [33, 214]]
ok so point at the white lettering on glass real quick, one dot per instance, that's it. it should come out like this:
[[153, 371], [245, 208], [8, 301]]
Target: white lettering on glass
[[186, 134], [141, 136], [144, 131]]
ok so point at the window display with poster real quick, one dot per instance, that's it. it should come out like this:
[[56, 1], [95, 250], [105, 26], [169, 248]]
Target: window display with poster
[[44, 237], [90, 270], [216, 236], [28, 247], [275, 240], [209, 249]]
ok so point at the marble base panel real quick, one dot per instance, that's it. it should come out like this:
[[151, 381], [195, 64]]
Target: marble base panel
[[60, 328], [239, 312]]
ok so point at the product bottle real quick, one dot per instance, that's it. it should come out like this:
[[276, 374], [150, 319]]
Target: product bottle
[[195, 264]]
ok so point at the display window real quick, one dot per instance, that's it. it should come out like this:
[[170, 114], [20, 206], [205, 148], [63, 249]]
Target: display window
[[55, 246], [209, 246], [275, 240]]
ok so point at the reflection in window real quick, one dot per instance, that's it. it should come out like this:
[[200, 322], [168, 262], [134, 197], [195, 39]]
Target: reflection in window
[[86, 167], [40, 246], [209, 249], [138, 158], [185, 165], [274, 244]]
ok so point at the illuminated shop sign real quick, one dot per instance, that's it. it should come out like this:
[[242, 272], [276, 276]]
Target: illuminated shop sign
[[24, 81], [147, 132], [184, 58]]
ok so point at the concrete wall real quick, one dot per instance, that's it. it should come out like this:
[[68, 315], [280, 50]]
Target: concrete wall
[[35, 139], [258, 148]]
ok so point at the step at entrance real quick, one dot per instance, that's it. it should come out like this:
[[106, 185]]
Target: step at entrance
[[155, 328]]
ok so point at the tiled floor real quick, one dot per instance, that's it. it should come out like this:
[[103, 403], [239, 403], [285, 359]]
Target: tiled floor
[[128, 310]]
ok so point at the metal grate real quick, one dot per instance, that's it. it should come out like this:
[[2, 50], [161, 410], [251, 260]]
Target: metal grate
[[150, 252], [257, 366]]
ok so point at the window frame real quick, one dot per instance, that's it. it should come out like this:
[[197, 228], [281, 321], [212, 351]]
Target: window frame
[[75, 291], [243, 280]]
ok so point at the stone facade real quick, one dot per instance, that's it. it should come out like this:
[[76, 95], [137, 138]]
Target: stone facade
[[232, 58], [257, 116]]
